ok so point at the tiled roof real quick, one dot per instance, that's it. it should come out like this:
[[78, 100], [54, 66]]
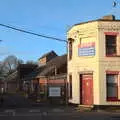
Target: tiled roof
[[56, 62], [49, 53]]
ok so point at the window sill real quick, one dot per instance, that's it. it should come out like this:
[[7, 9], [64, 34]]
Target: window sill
[[112, 55], [113, 100]]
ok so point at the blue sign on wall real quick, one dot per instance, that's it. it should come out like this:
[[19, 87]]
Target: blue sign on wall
[[88, 50]]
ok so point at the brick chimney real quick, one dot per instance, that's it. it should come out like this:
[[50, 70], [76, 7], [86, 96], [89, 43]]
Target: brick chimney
[[108, 17]]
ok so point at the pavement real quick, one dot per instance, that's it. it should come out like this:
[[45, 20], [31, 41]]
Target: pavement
[[17, 107]]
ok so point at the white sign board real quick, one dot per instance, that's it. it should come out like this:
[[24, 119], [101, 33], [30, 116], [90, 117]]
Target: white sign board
[[54, 92]]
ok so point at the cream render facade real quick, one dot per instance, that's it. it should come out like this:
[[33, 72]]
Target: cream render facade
[[96, 63]]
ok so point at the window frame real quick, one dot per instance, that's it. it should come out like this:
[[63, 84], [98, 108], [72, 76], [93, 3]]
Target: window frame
[[111, 46], [111, 34], [117, 86]]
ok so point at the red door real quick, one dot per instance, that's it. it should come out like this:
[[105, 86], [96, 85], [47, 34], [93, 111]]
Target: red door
[[86, 89]]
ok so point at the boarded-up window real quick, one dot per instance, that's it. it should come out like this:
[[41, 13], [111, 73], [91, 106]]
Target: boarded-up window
[[70, 86], [111, 45], [112, 86]]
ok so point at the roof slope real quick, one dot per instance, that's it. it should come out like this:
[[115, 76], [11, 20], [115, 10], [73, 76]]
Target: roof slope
[[49, 53], [56, 62]]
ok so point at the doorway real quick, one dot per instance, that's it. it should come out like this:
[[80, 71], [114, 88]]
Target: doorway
[[86, 89]]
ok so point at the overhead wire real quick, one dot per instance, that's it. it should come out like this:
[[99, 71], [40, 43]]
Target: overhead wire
[[33, 33]]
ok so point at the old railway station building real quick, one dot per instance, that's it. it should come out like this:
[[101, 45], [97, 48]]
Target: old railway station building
[[94, 62]]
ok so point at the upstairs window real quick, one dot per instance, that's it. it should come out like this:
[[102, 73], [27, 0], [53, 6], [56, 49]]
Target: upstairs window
[[70, 50], [70, 41], [111, 45]]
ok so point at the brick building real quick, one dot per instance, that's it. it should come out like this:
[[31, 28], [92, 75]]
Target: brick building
[[51, 75]]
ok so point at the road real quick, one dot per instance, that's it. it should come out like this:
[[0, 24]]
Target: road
[[17, 107], [39, 115], [15, 100]]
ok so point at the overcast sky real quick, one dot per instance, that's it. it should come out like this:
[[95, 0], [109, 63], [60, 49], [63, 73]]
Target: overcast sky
[[49, 17]]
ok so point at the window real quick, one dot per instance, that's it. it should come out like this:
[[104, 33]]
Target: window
[[111, 45], [112, 86], [70, 48], [70, 86]]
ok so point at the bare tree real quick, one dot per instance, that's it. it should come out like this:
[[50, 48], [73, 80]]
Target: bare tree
[[10, 64]]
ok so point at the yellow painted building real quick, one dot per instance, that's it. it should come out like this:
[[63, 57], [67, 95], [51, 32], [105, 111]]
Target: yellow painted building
[[94, 62]]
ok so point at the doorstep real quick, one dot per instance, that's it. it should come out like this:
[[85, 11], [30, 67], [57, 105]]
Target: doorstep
[[84, 108]]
